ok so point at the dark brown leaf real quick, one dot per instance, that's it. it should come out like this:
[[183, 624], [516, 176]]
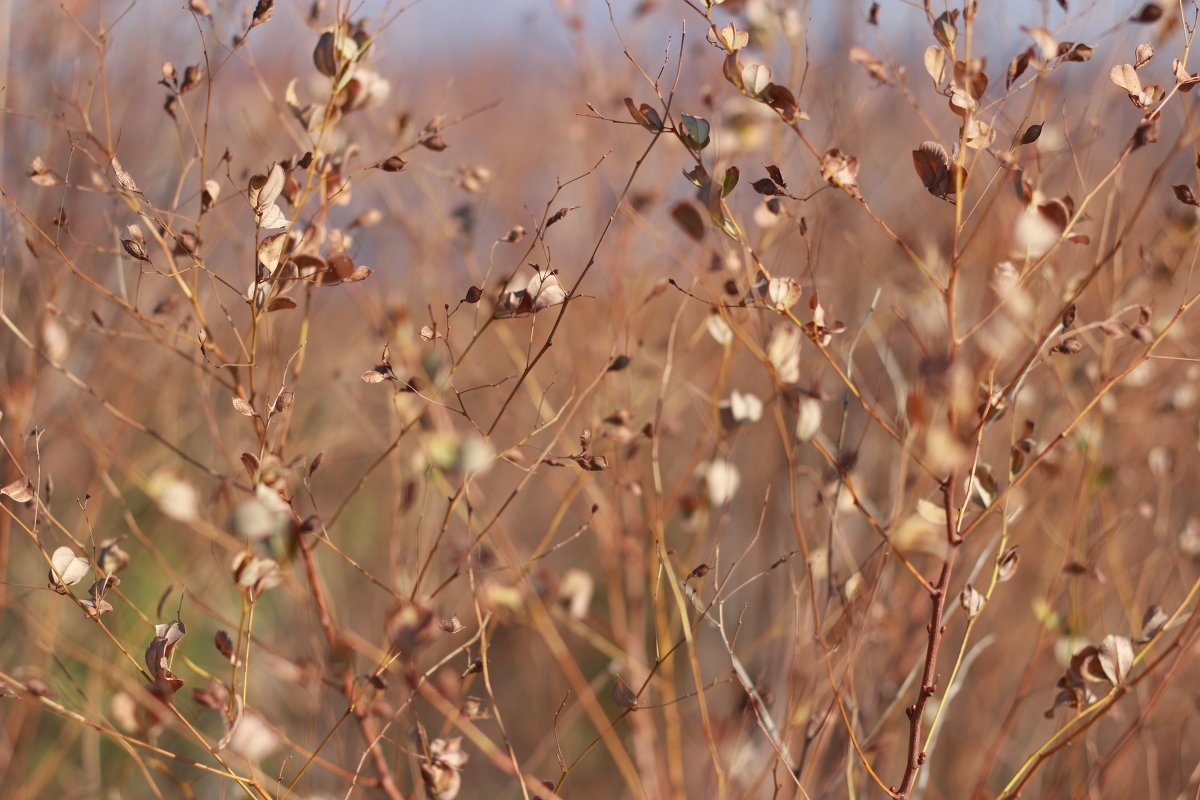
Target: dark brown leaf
[[262, 12], [224, 643], [1031, 134], [558, 215], [1146, 133], [135, 249], [1184, 193], [1151, 12], [1080, 52], [688, 218], [1017, 66], [623, 696], [935, 170], [191, 78], [766, 186]]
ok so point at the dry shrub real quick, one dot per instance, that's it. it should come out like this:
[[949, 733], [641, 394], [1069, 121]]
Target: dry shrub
[[804, 407]]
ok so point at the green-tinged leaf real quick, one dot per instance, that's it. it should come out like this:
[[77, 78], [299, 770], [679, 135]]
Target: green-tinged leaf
[[644, 115], [695, 132], [730, 180], [698, 176], [944, 29]]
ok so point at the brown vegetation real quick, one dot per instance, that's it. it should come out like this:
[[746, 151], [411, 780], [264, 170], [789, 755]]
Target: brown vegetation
[[719, 401]]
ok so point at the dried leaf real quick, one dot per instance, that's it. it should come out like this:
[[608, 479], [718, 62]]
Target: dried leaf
[[944, 28], [740, 409], [270, 250], [977, 134], [1031, 134], [251, 738], [935, 64], [377, 375], [721, 479], [224, 643], [729, 37], [623, 696], [20, 490], [1080, 52], [242, 407], [783, 293], [1151, 12], [1116, 658], [1008, 564], [688, 218], [840, 169], [265, 189], [262, 12], [591, 463], [560, 214], [174, 496], [441, 770], [1124, 76], [755, 79], [645, 115], [783, 352], [936, 171], [1017, 67], [191, 78], [41, 175], [971, 600], [135, 249], [808, 420], [158, 656], [208, 197], [545, 290], [1143, 54], [868, 61], [256, 573], [1045, 42], [124, 178], [619, 363], [68, 569], [272, 218], [1184, 193], [1153, 621]]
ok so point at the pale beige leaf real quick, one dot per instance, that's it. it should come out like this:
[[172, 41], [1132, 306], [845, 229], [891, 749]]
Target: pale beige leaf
[[935, 63], [1123, 75], [242, 407], [270, 250], [1143, 54]]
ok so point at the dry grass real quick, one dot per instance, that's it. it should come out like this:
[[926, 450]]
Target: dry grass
[[455, 441]]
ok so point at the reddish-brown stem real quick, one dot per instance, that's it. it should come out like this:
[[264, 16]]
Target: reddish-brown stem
[[935, 631]]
